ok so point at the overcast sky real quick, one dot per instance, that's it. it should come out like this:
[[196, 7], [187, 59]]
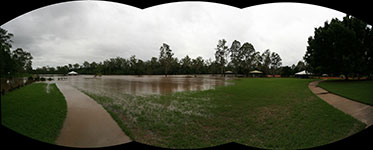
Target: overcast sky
[[73, 32]]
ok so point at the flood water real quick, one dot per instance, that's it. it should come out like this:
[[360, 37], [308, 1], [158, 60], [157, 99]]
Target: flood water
[[143, 85]]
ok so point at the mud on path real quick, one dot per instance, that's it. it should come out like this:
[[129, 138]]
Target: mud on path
[[359, 111], [87, 123]]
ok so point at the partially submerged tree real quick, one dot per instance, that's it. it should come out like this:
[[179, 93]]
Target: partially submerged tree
[[165, 57], [186, 65], [197, 65]]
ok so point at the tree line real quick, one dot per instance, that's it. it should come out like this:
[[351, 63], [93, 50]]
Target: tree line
[[15, 62], [239, 59]]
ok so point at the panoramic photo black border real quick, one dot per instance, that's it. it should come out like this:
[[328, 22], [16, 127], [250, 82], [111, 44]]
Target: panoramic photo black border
[[12, 9]]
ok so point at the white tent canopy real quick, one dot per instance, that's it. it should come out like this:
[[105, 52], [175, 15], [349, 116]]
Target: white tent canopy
[[255, 71], [304, 72], [72, 73]]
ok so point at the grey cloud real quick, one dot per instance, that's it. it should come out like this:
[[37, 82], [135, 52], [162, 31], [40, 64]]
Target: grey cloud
[[96, 30]]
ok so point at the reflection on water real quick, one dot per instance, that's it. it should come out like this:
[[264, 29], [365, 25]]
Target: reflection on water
[[142, 85]]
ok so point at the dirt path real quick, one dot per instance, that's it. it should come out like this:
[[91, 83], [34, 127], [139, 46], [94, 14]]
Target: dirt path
[[360, 111], [87, 123]]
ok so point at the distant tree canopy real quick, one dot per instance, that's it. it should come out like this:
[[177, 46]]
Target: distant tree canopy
[[13, 63], [341, 47], [243, 58]]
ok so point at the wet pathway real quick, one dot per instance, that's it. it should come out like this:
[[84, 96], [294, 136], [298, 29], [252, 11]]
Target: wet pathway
[[87, 123], [360, 111]]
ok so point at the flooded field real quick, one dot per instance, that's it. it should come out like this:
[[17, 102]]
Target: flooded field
[[143, 85]]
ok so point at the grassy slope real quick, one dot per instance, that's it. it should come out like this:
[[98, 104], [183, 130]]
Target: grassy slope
[[33, 112], [360, 91], [266, 113]]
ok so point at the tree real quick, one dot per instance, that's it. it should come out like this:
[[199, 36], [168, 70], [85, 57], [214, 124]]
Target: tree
[[174, 66], [369, 54], [13, 62], [165, 57], [140, 67], [286, 71], [197, 65], [299, 67], [339, 47], [76, 66], [153, 66], [212, 66], [5, 52], [94, 69], [247, 52], [257, 60], [133, 65], [236, 58], [275, 63], [70, 66], [221, 54], [266, 57], [186, 65], [22, 60]]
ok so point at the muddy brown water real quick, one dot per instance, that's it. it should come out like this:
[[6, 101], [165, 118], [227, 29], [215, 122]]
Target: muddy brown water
[[143, 85]]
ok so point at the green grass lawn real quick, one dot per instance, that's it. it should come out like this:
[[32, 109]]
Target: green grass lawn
[[361, 91], [36, 111], [260, 112]]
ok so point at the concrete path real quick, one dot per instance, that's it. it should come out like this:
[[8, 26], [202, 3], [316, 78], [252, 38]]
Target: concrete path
[[87, 123], [360, 111]]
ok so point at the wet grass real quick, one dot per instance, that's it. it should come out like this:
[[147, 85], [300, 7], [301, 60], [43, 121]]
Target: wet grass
[[34, 112], [360, 91], [260, 112]]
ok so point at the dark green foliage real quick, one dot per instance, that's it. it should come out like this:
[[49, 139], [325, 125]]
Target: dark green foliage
[[13, 63], [341, 47]]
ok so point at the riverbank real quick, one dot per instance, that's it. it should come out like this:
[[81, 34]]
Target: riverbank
[[260, 112], [37, 111]]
